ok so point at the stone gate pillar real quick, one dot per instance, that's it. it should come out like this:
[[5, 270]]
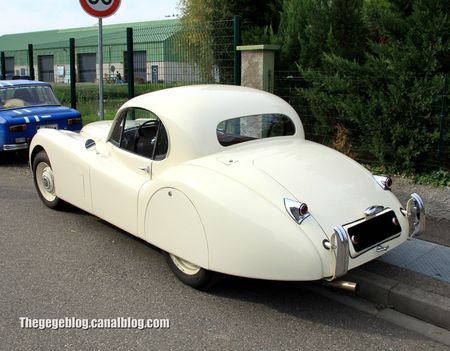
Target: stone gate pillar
[[257, 68]]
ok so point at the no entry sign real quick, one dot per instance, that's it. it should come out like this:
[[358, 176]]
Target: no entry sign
[[100, 8]]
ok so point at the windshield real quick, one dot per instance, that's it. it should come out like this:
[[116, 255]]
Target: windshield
[[21, 96]]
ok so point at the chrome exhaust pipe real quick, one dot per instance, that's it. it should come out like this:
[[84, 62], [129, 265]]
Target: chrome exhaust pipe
[[342, 284]]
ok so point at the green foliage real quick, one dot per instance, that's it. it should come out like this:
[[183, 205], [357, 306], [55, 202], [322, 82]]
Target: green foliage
[[310, 28], [440, 177], [259, 18], [374, 68]]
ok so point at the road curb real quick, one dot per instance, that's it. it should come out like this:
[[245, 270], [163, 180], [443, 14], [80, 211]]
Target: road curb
[[427, 306]]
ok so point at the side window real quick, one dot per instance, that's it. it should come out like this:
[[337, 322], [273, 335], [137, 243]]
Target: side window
[[141, 132], [117, 131]]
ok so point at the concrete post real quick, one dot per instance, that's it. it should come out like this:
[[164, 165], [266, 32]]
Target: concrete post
[[258, 66]]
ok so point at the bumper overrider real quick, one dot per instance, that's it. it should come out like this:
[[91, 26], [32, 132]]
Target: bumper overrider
[[339, 240], [415, 209]]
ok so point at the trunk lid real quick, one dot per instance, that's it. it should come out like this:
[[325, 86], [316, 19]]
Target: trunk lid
[[336, 189]]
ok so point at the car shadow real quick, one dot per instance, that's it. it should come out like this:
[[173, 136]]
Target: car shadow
[[13, 158]]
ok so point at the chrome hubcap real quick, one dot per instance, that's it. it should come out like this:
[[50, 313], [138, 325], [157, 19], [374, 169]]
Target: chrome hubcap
[[47, 180], [185, 266]]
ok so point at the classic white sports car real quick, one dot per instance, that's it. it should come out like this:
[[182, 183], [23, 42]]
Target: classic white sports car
[[221, 179]]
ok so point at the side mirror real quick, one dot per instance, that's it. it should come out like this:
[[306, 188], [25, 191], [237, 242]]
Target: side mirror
[[89, 143]]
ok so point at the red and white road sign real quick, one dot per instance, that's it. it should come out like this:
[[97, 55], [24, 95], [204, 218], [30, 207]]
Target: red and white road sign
[[100, 8]]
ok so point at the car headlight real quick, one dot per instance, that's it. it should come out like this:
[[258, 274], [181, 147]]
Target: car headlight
[[297, 210], [384, 181]]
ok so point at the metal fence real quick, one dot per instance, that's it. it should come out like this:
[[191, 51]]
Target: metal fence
[[329, 126], [162, 55]]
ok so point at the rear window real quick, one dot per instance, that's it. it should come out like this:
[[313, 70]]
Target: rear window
[[240, 129]]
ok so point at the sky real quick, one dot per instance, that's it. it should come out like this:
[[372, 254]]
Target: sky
[[20, 16]]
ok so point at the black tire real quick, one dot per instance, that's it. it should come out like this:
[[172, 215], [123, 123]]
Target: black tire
[[44, 181], [201, 280]]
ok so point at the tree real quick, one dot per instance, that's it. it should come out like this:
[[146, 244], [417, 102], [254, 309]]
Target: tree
[[257, 16], [390, 100], [310, 28]]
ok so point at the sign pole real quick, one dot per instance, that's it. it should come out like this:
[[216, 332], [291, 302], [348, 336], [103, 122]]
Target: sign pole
[[99, 9], [101, 109]]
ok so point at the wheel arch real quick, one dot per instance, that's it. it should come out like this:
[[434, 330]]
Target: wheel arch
[[36, 149]]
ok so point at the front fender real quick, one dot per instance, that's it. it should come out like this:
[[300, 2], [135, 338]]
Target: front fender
[[70, 163]]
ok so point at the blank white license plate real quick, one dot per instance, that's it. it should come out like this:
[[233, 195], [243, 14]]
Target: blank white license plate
[[51, 126]]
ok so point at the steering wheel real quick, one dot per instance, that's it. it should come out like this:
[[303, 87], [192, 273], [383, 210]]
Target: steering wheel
[[141, 128]]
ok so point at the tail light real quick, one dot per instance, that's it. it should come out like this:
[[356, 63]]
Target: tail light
[[18, 128], [384, 181], [297, 210], [72, 121]]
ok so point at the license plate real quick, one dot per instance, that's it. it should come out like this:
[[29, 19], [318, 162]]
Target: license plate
[[49, 126], [368, 233]]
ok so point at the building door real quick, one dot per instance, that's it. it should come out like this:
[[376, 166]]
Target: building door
[[87, 67], [139, 63], [155, 77], [46, 68], [9, 67]]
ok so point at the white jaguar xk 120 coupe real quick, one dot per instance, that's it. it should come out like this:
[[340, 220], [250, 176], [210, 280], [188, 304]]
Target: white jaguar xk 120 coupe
[[221, 179]]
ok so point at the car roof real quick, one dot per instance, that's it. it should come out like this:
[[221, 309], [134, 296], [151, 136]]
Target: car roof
[[191, 114], [20, 82]]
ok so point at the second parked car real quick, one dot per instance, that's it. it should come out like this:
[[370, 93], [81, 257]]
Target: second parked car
[[25, 107]]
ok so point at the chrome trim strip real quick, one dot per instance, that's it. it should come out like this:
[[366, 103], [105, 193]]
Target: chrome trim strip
[[13, 147], [339, 242]]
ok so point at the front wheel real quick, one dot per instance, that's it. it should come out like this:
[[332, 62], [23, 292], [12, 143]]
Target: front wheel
[[189, 273], [44, 181]]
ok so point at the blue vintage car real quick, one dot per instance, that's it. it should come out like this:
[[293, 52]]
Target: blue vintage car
[[25, 107]]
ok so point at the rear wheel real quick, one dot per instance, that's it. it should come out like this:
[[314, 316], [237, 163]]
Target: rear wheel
[[189, 273], [44, 181]]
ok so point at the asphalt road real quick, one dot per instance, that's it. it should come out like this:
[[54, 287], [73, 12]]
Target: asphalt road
[[71, 264]]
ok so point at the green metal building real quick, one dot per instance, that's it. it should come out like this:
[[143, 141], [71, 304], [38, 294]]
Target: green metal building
[[156, 57]]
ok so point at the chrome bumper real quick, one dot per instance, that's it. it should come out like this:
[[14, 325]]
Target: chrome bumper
[[415, 209], [339, 240], [13, 147]]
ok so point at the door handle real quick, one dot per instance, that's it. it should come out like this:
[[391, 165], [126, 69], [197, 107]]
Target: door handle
[[146, 169]]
